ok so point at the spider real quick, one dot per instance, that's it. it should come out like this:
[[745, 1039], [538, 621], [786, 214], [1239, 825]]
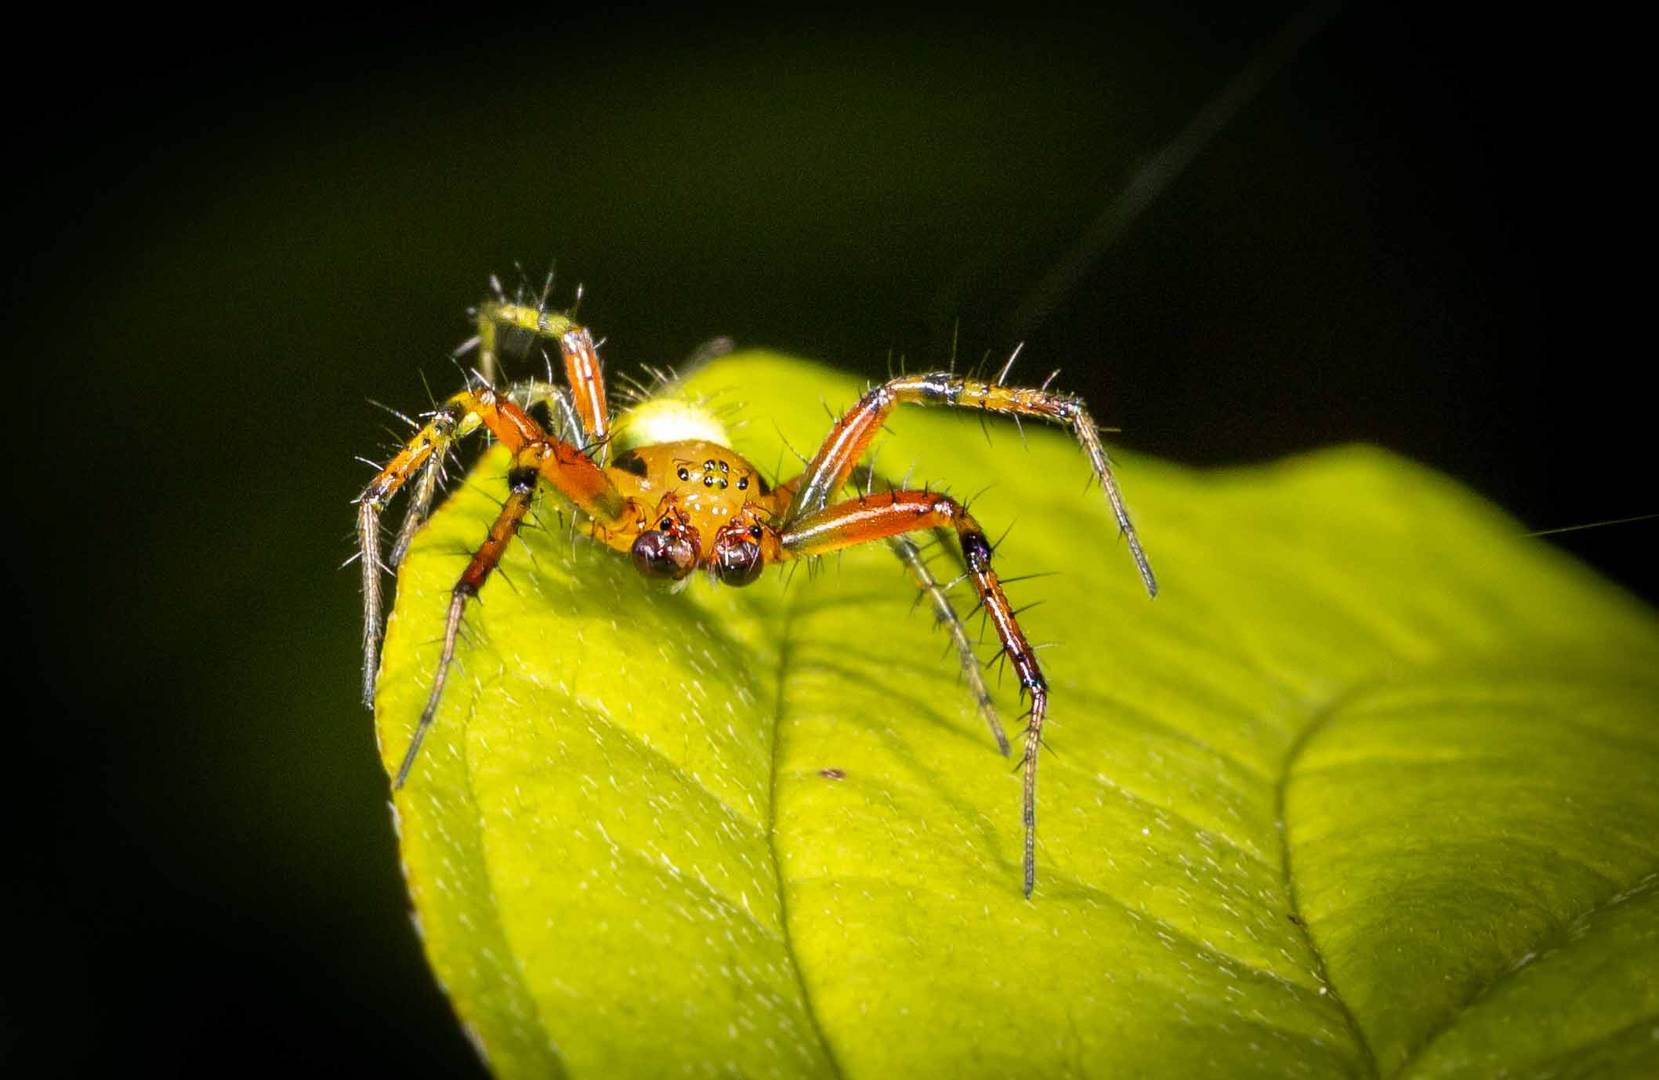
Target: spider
[[681, 501]]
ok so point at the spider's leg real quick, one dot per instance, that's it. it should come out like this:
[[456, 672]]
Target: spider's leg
[[561, 406], [946, 616], [828, 470], [461, 415], [881, 515], [581, 358], [420, 504], [943, 612], [521, 483], [526, 395]]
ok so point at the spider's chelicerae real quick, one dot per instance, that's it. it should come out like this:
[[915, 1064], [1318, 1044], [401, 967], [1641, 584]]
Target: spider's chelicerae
[[683, 501]]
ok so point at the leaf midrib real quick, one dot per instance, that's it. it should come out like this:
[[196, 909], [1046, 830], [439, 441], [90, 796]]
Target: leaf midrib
[[785, 640]]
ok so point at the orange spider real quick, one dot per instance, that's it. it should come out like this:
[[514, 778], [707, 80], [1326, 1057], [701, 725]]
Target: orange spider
[[687, 502]]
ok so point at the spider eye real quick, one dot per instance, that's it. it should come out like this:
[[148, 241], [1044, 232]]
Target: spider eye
[[754, 532], [659, 555], [737, 558]]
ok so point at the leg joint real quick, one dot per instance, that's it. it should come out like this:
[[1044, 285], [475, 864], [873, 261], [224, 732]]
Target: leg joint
[[521, 479], [940, 387], [976, 550]]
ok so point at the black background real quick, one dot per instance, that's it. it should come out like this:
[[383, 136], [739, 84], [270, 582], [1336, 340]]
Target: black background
[[1419, 233]]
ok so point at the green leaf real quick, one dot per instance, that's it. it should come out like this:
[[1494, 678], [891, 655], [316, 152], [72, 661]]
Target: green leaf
[[1368, 790]]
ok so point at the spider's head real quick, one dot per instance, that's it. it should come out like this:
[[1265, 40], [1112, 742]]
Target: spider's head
[[737, 558], [668, 552]]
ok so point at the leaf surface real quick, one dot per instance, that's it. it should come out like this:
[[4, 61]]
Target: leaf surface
[[1368, 790]]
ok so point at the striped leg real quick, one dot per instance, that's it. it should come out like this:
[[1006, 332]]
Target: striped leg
[[893, 513], [943, 612], [945, 615], [461, 415], [827, 473], [526, 395], [562, 466], [521, 491]]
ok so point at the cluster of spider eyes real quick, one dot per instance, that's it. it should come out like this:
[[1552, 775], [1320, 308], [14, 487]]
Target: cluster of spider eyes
[[668, 524], [709, 479]]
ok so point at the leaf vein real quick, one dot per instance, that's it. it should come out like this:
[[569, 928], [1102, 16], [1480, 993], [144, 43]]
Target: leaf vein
[[1561, 938], [1318, 718], [785, 649]]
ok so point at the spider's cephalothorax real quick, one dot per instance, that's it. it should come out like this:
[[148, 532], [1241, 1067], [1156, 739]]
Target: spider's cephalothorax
[[695, 504], [679, 501]]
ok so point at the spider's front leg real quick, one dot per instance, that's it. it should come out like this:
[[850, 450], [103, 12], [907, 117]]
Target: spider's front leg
[[521, 484], [829, 469], [562, 465], [421, 457], [542, 459], [526, 395], [893, 513]]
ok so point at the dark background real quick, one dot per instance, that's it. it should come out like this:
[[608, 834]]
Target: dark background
[[1412, 235]]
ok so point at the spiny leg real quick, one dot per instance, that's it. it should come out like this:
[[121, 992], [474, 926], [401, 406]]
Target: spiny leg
[[526, 395], [562, 465], [886, 514], [566, 469], [521, 482], [946, 616], [462, 414], [563, 422], [420, 505], [866, 480], [581, 358], [826, 474]]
